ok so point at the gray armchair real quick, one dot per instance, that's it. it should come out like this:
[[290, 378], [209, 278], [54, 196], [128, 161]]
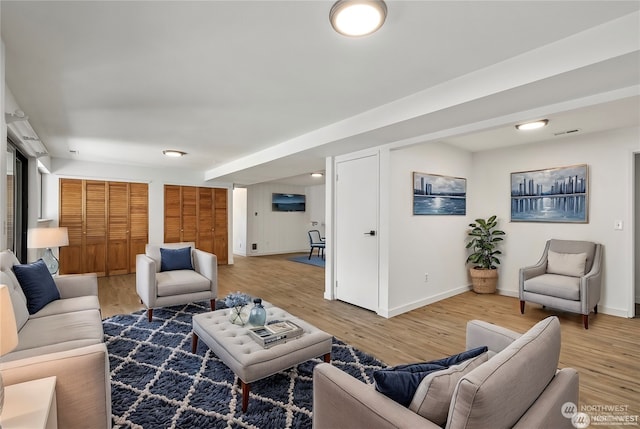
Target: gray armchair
[[157, 288], [567, 277]]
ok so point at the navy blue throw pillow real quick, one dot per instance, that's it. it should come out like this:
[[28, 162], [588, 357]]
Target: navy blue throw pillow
[[175, 259], [37, 284], [401, 382]]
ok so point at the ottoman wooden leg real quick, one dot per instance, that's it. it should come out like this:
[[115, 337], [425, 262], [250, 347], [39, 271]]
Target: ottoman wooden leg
[[327, 358], [194, 342], [246, 387]]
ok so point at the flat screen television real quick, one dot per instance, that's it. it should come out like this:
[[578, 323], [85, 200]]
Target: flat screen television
[[288, 202]]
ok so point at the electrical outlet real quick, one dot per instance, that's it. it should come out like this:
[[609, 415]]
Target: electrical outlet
[[426, 277]]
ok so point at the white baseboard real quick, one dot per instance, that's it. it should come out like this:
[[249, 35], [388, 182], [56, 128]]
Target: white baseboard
[[421, 303], [507, 292], [613, 311]]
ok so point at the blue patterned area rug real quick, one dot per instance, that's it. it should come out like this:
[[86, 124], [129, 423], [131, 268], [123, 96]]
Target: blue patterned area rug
[[315, 260], [156, 382]]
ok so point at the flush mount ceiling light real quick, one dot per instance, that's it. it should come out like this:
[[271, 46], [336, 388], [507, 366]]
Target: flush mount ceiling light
[[357, 17], [317, 174], [527, 126], [173, 153]]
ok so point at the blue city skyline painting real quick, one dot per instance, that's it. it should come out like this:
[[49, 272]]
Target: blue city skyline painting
[[551, 195], [439, 195]]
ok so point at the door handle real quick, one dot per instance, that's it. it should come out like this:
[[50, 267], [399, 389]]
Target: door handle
[[372, 233]]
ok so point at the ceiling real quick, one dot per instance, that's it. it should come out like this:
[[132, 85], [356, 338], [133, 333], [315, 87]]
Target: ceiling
[[260, 91]]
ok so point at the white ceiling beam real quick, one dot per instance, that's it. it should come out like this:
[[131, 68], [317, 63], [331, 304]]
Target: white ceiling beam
[[598, 44]]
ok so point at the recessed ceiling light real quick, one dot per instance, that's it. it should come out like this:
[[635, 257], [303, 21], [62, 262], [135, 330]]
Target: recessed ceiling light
[[317, 174], [173, 153], [534, 125], [357, 17]]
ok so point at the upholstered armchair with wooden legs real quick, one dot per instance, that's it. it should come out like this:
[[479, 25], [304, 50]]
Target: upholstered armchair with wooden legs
[[567, 277], [175, 274]]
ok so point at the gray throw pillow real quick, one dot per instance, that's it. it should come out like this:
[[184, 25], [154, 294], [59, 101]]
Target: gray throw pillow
[[433, 396], [566, 264]]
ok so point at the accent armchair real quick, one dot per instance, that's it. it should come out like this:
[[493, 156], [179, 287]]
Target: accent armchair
[[567, 277], [188, 277], [316, 242]]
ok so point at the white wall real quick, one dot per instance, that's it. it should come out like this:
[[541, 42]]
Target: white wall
[[155, 177], [240, 221], [275, 232], [316, 207], [436, 244], [424, 244], [609, 157]]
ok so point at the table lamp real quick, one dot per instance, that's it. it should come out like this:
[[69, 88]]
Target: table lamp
[[8, 331], [46, 238]]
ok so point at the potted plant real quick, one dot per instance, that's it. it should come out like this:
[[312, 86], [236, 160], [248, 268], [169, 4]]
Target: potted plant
[[483, 241]]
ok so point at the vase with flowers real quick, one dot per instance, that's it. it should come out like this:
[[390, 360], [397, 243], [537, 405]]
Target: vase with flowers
[[237, 302]]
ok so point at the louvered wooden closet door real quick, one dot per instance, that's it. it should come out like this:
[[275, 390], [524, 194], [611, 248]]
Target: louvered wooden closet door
[[118, 231], [138, 221], [197, 214], [95, 227], [172, 214], [205, 219], [189, 214], [70, 216], [220, 229]]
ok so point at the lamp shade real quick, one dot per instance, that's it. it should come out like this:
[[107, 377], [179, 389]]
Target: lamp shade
[[43, 238], [8, 329]]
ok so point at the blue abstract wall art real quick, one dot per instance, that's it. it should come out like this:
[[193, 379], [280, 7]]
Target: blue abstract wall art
[[439, 195], [551, 195]]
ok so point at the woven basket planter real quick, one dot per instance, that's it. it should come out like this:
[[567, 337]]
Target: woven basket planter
[[483, 280]]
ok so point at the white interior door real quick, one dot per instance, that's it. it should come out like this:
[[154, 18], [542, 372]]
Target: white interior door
[[357, 231]]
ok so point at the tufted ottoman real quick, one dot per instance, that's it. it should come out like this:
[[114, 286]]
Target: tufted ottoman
[[249, 360]]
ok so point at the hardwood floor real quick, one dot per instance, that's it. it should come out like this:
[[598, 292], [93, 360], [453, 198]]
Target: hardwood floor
[[606, 355]]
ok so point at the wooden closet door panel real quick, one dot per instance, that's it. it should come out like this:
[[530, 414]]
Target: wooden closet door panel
[[220, 229], [70, 216], [189, 213], [95, 227], [118, 228], [172, 214], [205, 220], [138, 221]]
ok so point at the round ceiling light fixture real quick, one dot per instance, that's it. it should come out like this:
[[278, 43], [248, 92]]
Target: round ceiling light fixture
[[173, 153], [357, 17], [317, 174], [527, 126]]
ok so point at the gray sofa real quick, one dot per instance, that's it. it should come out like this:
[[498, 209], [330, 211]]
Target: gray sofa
[[518, 386], [64, 339]]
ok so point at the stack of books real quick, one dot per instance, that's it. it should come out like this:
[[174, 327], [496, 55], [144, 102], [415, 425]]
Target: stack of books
[[275, 333]]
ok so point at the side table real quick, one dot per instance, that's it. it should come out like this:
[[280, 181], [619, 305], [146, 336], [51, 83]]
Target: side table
[[30, 405]]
